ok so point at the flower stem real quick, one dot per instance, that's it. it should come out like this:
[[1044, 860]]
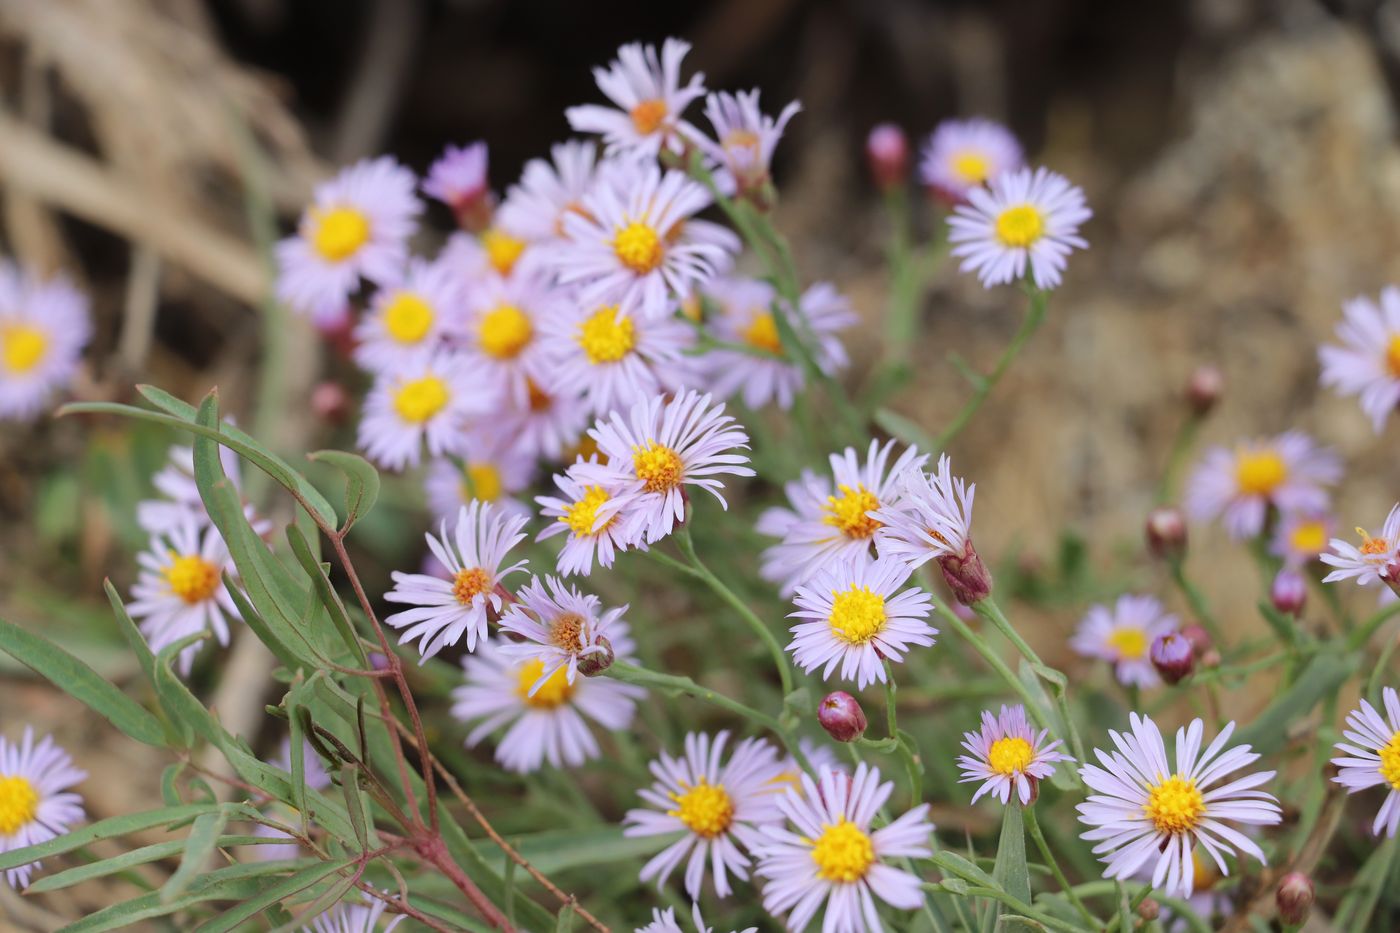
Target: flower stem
[[1197, 600], [995, 662], [1033, 827]]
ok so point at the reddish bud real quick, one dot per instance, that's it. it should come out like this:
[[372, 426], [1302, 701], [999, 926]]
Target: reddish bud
[[841, 716], [330, 402], [1173, 656], [1204, 388], [1210, 658], [591, 665], [1289, 592], [1294, 897], [1149, 910], [1199, 638], [1166, 532], [966, 575], [887, 153]]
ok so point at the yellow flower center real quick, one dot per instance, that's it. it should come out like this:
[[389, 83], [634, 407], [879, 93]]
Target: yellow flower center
[[1390, 761], [192, 578], [19, 803], [1372, 547], [1392, 355], [693, 308], [857, 615], [337, 233], [22, 347], [607, 336], [1020, 226], [1259, 472], [658, 466], [566, 632], [648, 115], [470, 583], [843, 852], [847, 511], [762, 333], [972, 167], [419, 399], [1175, 805], [1129, 643], [741, 139], [483, 482], [408, 318], [581, 515], [502, 250], [1309, 537], [706, 809], [504, 331], [555, 692], [1010, 755], [638, 247]]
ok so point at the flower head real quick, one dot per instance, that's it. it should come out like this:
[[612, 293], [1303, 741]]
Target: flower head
[[409, 317], [1238, 485], [1024, 224], [35, 805], [1008, 755], [346, 917], [428, 402], [745, 138], [493, 470], [548, 190], [646, 88], [964, 154], [1143, 808], [458, 179], [503, 342], [718, 805], [1371, 560], [357, 226], [832, 856], [590, 514], [549, 423], [1371, 757], [559, 627], [1301, 537], [1123, 636], [44, 326], [1367, 364], [853, 615]]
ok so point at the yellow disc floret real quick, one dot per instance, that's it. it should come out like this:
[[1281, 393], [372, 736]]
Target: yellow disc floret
[[1130, 643], [583, 514], [469, 583], [555, 692], [848, 511], [1392, 355], [502, 250], [1175, 805], [971, 167], [648, 116], [1309, 537], [843, 852], [417, 400], [22, 347], [658, 466], [638, 247], [337, 233], [762, 332], [566, 632], [504, 331], [1010, 755], [706, 809], [19, 804], [482, 481], [192, 578], [607, 336], [407, 317], [1390, 762], [1020, 226], [1259, 472], [857, 615]]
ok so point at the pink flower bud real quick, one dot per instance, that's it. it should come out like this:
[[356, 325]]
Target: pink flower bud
[[1204, 389], [887, 152], [1294, 897], [1173, 656], [593, 664], [966, 575], [841, 716], [1199, 638], [1166, 532], [1289, 592], [330, 402]]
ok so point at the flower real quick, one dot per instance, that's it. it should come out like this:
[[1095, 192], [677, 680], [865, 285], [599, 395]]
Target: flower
[[44, 326], [1371, 757], [546, 723], [550, 422], [1173, 654], [764, 373], [661, 448], [557, 626], [853, 618], [591, 515], [1123, 635], [458, 179], [720, 806], [1142, 807], [1367, 364], [638, 245], [615, 359], [357, 226], [833, 857], [930, 516], [1288, 471], [665, 922], [493, 251], [534, 209], [1008, 754], [822, 528], [34, 804], [429, 401], [1301, 537], [353, 918], [444, 610], [1372, 560], [646, 87], [503, 340], [744, 140], [887, 155], [840, 715], [180, 590], [961, 155], [408, 317], [493, 470], [1023, 222]]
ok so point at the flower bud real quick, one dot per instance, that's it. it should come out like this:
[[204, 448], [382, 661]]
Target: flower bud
[[966, 575], [841, 716], [330, 402], [1149, 910], [1204, 389], [1173, 656], [887, 153], [1294, 897], [1210, 658], [1199, 638], [1166, 532], [1289, 592], [378, 662], [594, 663]]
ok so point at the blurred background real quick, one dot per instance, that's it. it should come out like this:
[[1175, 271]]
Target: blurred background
[[1240, 156]]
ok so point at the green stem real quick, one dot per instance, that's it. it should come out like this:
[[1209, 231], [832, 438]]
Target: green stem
[[1368, 628], [1176, 458], [641, 677], [1197, 601], [995, 662], [1035, 314]]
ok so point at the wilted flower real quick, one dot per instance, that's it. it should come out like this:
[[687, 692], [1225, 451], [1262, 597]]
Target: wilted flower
[[1204, 388], [887, 155], [1294, 897], [1289, 591], [1173, 656], [1166, 532], [841, 716]]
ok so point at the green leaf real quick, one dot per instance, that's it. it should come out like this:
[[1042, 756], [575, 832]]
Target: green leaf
[[1319, 678], [157, 852], [957, 865], [1010, 871], [81, 682], [555, 851], [199, 845], [566, 918], [134, 639], [361, 482], [1062, 778], [254, 620], [287, 887], [325, 901], [103, 829], [184, 709], [354, 802], [330, 599]]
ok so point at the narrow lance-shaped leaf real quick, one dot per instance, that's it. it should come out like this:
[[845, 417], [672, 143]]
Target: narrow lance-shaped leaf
[[199, 846], [361, 483]]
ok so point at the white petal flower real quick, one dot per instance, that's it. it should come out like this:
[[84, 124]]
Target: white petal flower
[[1367, 364], [1238, 486], [1023, 225], [558, 626], [1008, 755], [409, 316], [964, 154], [1123, 636], [430, 403], [646, 87], [931, 516], [35, 804], [591, 515], [1371, 757], [44, 326], [1365, 564]]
